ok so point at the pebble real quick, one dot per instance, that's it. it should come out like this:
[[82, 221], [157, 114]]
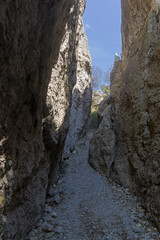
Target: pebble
[[52, 192], [53, 214], [140, 215], [34, 232], [57, 199], [58, 229], [39, 230], [47, 227], [48, 209], [48, 217], [60, 181]]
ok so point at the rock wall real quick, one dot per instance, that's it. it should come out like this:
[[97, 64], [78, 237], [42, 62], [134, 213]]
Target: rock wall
[[102, 146], [97, 98], [41, 57], [116, 81], [81, 94], [136, 152]]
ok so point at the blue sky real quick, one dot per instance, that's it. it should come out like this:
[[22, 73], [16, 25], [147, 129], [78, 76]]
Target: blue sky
[[102, 20]]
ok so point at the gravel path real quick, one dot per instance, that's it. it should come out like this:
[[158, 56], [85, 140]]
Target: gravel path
[[84, 206]]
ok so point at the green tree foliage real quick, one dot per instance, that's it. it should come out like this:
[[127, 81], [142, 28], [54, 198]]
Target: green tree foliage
[[105, 89]]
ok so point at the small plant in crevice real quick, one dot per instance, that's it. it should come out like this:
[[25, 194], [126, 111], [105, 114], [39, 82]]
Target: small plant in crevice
[[94, 117]]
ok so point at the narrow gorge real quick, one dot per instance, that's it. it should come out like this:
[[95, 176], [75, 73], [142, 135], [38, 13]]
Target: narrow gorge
[[46, 140]]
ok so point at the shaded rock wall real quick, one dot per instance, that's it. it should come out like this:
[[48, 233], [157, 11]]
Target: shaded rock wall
[[136, 161], [102, 146], [39, 44], [138, 117]]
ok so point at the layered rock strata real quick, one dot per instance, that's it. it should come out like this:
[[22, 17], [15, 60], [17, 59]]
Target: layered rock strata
[[43, 52], [136, 153]]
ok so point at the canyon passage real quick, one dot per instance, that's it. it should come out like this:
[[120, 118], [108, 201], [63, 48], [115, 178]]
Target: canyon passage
[[84, 205], [59, 177]]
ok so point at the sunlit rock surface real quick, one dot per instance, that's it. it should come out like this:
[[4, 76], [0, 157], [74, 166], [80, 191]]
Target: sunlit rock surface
[[136, 154], [97, 98], [116, 80], [81, 96], [41, 57]]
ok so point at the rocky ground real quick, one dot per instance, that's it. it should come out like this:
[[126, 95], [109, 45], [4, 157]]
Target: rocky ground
[[85, 206]]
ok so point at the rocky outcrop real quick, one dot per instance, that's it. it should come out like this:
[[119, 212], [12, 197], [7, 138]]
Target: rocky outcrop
[[97, 98], [136, 152], [102, 146], [116, 81], [41, 57], [81, 91], [103, 143]]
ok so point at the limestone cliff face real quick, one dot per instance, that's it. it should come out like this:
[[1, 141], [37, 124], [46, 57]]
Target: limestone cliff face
[[136, 161], [81, 95], [134, 15], [102, 146], [138, 118], [41, 57], [116, 81]]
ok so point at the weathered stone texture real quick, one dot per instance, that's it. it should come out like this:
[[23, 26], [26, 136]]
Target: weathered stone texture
[[134, 16], [97, 98], [101, 153], [38, 55], [116, 81], [81, 96], [136, 161], [102, 147], [138, 117]]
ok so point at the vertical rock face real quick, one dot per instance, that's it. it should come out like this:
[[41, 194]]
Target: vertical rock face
[[81, 95], [136, 154], [102, 147], [116, 81], [42, 60], [138, 117]]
